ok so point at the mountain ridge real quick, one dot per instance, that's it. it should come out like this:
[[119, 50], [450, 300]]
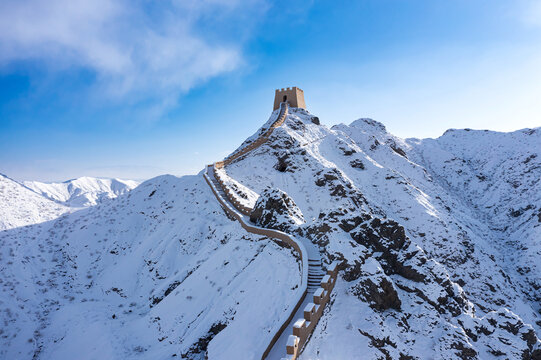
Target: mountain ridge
[[82, 191]]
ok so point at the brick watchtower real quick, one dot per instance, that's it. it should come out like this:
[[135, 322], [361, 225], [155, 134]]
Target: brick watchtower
[[293, 95]]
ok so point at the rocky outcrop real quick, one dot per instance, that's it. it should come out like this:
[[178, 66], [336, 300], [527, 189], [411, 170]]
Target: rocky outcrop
[[397, 255], [276, 210], [376, 288]]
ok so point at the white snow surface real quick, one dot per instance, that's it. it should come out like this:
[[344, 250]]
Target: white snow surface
[[84, 191], [20, 206]]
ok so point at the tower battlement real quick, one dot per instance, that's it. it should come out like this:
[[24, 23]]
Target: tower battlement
[[292, 95]]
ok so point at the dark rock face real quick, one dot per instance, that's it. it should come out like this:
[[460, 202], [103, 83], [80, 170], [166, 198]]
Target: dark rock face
[[339, 187], [398, 150], [276, 210], [503, 325], [284, 163], [314, 120], [398, 256], [357, 164], [378, 291], [348, 151], [200, 347]]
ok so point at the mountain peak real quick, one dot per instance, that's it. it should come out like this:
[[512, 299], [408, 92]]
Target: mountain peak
[[82, 191]]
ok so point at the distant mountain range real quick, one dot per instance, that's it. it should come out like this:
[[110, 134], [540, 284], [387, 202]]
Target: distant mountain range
[[20, 206], [83, 191], [34, 202]]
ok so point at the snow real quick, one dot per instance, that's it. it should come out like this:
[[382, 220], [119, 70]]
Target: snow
[[83, 191], [319, 292], [20, 206], [292, 340], [336, 176]]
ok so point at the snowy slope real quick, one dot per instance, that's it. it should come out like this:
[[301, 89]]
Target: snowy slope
[[83, 191], [153, 274], [497, 176], [424, 273], [20, 206]]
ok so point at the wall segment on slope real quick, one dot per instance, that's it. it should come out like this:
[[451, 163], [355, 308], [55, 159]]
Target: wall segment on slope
[[284, 110], [298, 246], [308, 254]]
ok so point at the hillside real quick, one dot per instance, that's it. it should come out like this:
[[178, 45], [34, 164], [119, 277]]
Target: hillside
[[20, 206], [415, 248], [83, 191], [156, 273], [437, 239]]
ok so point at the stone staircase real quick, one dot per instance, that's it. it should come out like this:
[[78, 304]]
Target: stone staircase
[[315, 274], [316, 283]]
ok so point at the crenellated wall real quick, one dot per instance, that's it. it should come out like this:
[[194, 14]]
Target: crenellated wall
[[284, 109], [231, 196], [313, 311], [227, 198]]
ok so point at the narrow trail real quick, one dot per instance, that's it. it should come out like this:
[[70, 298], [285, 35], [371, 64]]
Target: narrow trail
[[316, 284]]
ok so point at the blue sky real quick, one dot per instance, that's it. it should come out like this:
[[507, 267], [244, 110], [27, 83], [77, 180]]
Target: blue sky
[[135, 89]]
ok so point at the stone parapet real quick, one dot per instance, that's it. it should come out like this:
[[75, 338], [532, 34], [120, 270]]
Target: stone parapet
[[303, 327], [284, 110], [276, 234]]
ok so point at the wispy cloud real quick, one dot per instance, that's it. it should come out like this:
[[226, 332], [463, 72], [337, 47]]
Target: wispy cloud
[[137, 49]]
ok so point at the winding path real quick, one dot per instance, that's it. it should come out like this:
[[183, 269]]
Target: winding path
[[297, 324]]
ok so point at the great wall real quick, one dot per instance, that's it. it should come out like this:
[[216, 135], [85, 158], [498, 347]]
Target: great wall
[[293, 331]]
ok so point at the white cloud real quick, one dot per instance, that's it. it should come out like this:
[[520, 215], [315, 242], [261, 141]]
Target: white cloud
[[135, 47]]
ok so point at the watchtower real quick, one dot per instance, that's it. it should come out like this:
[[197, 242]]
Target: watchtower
[[293, 95]]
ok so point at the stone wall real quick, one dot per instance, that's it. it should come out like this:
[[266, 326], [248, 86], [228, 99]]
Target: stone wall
[[284, 109], [313, 311]]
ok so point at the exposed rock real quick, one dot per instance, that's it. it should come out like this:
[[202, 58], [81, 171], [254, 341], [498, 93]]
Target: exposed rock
[[200, 347], [397, 149], [276, 210], [376, 288], [357, 164], [283, 163], [347, 150]]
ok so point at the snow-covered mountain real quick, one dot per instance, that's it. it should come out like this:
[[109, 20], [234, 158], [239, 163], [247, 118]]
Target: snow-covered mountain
[[155, 273], [438, 241], [20, 206], [83, 191]]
